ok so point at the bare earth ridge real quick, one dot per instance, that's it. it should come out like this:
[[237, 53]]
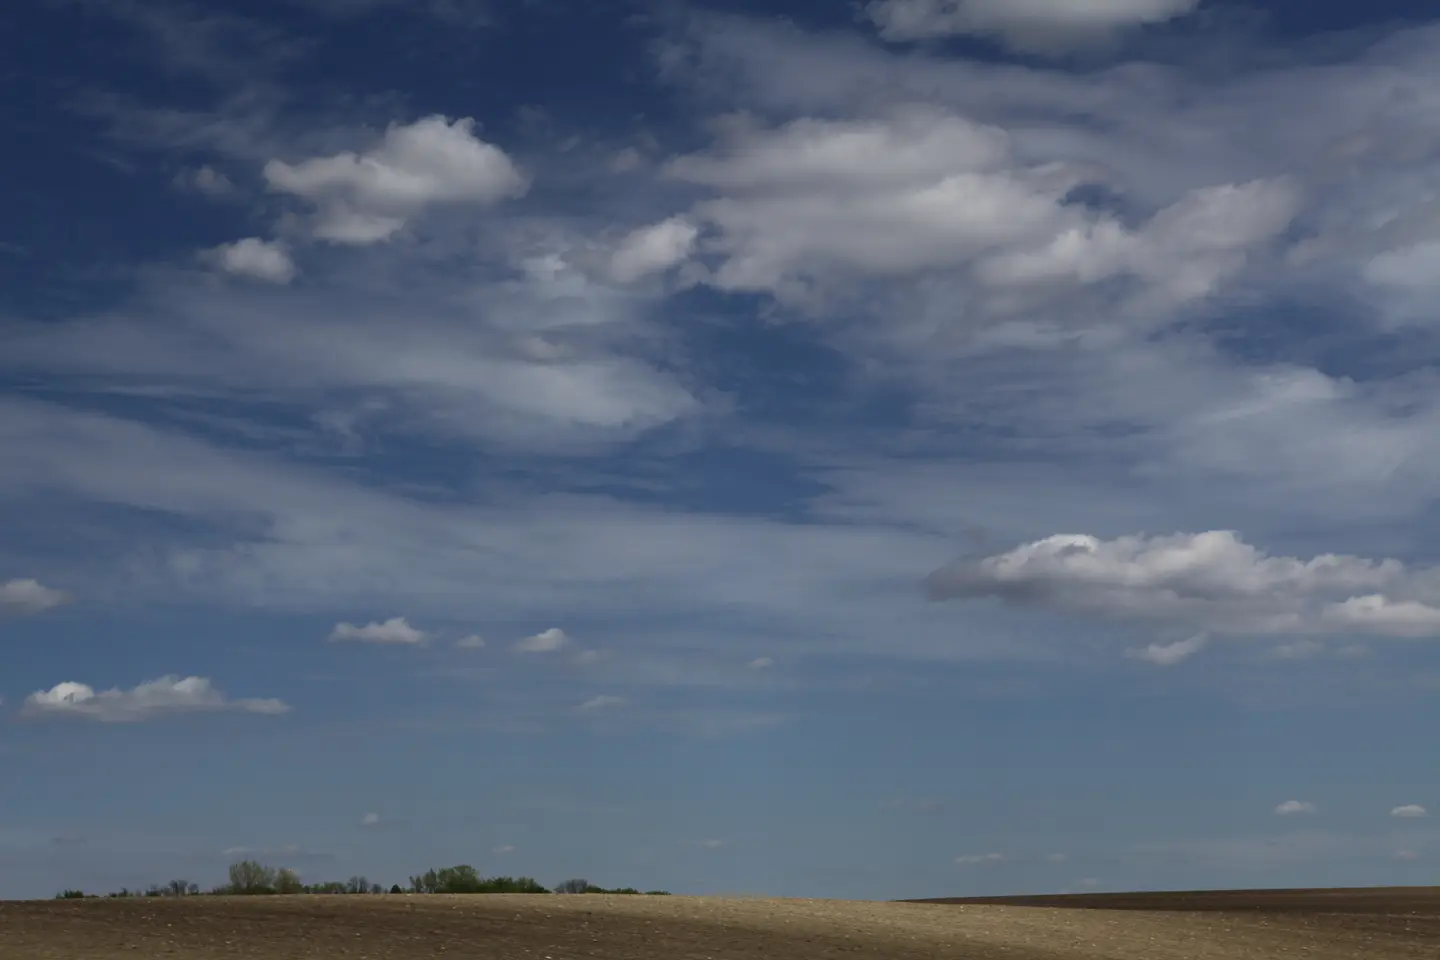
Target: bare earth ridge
[[1234, 925]]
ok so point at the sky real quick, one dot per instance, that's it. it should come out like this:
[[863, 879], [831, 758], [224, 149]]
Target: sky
[[913, 448]]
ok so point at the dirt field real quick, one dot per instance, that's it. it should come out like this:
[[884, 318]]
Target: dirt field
[[1322, 925]]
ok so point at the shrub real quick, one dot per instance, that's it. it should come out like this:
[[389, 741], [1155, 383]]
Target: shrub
[[251, 878], [287, 881]]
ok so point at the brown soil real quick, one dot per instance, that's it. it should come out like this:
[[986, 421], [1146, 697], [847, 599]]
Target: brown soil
[[1320, 925]]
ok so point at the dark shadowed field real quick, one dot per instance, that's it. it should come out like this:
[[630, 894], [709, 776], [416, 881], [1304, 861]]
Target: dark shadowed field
[[1318, 925]]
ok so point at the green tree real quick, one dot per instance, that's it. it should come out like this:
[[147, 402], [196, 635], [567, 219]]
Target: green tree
[[249, 877]]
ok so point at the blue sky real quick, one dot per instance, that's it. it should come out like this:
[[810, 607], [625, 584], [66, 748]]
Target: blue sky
[[924, 448]]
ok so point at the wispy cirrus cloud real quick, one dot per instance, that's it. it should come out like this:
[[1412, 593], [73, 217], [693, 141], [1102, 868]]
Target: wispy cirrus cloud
[[1037, 26]]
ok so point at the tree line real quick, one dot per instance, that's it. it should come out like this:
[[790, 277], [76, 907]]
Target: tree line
[[252, 878]]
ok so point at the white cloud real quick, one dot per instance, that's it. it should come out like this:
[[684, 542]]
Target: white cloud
[[1043, 26], [626, 159], [913, 144], [370, 820], [257, 259], [394, 631], [503, 849], [1214, 578], [815, 204], [206, 180], [547, 359], [1407, 855], [1169, 654], [1292, 808], [472, 642], [712, 844], [314, 540], [973, 859], [366, 198], [1409, 811], [1375, 613], [653, 249], [546, 641], [1058, 858], [166, 696], [1411, 268], [603, 702], [29, 596], [761, 663]]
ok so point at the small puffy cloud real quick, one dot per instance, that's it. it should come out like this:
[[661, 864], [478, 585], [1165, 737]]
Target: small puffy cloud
[[625, 160], [653, 249], [974, 859], [395, 630], [1212, 578], [1295, 808], [29, 597], [1169, 654], [370, 820], [472, 642], [206, 180], [1406, 855], [1410, 811], [367, 197], [603, 702], [1379, 614], [257, 259], [166, 696], [1034, 26], [503, 849], [761, 663], [712, 844], [546, 641]]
